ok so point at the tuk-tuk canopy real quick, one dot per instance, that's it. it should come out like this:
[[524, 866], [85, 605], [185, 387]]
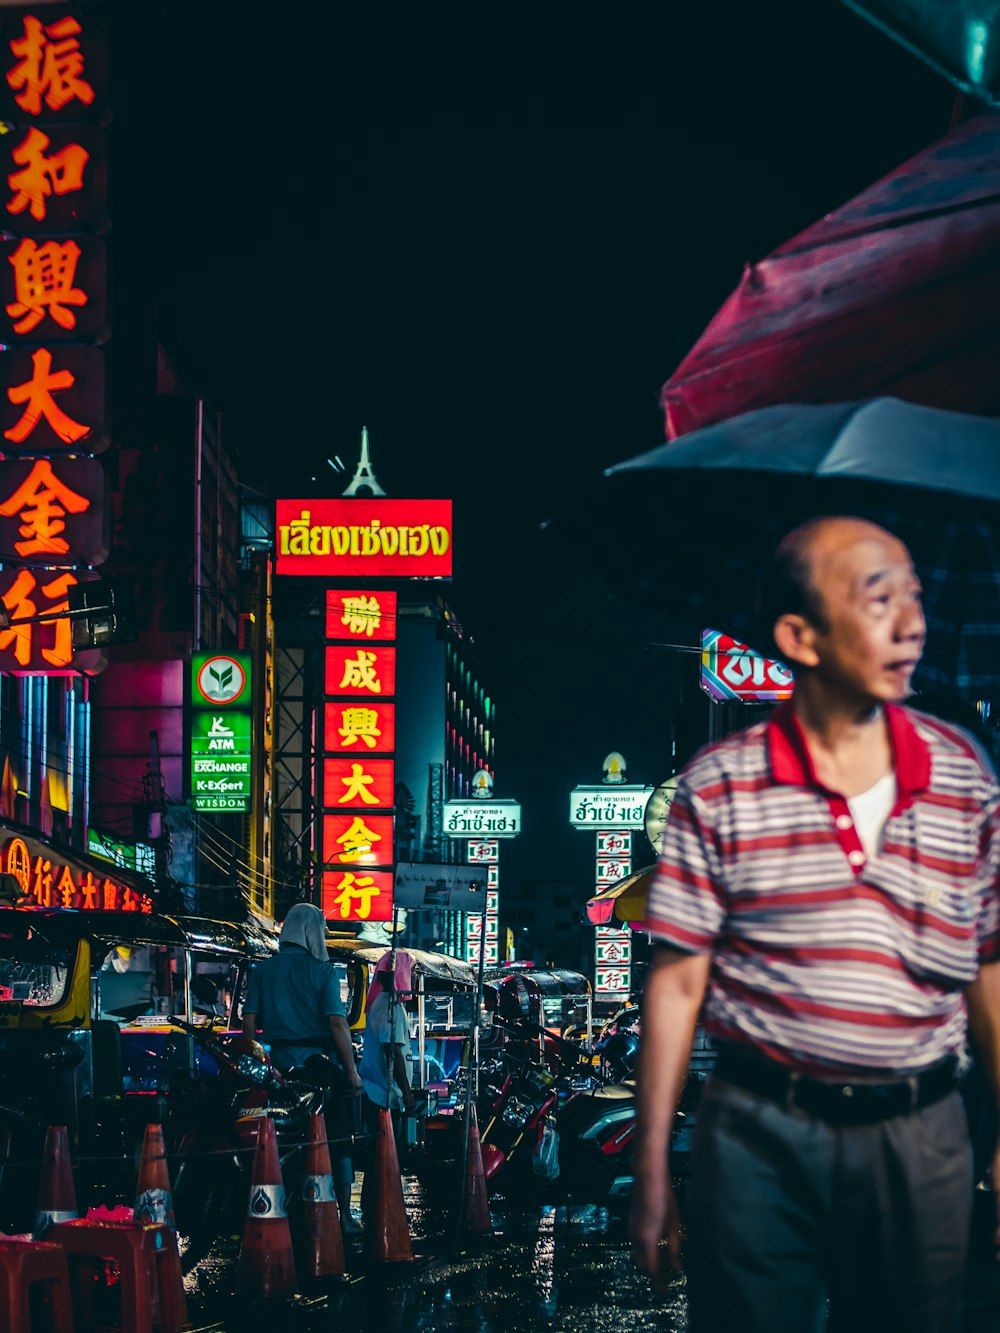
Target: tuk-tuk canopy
[[65, 927], [440, 967]]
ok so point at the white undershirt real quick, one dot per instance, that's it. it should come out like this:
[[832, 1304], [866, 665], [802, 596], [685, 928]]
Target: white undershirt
[[871, 809]]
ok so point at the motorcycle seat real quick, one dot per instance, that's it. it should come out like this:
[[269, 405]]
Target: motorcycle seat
[[613, 1092]]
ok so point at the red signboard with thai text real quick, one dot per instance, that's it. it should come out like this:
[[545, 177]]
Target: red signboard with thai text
[[368, 673], [371, 538]]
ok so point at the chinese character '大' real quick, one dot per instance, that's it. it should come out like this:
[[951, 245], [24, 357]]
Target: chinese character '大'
[[358, 785], [36, 394], [51, 66]]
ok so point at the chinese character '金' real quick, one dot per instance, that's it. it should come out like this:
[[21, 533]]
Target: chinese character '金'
[[362, 615], [51, 66], [18, 601], [43, 281], [359, 724], [356, 891], [357, 841], [360, 673], [42, 177], [42, 502], [36, 394], [357, 787], [66, 889]]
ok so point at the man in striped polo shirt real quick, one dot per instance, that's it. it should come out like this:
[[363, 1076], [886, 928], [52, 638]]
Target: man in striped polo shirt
[[827, 889]]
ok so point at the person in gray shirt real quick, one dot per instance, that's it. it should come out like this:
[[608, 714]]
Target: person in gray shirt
[[294, 999]]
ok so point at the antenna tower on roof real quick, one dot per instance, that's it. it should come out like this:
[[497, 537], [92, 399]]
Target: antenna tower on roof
[[364, 482]]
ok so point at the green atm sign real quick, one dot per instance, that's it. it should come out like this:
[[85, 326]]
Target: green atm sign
[[221, 732]]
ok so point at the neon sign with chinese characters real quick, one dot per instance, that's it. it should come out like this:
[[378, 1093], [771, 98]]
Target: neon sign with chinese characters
[[48, 881]]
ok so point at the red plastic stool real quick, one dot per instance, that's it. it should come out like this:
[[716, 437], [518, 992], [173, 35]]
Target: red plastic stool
[[125, 1277], [34, 1287]]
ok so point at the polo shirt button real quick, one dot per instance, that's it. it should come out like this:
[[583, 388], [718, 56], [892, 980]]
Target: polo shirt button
[[856, 858], [845, 821]]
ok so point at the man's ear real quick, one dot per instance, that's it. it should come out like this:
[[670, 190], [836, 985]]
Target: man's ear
[[795, 639]]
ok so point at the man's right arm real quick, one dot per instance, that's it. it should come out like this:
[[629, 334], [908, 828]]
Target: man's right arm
[[672, 997], [341, 1035]]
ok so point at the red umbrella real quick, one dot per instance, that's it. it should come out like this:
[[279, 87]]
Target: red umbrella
[[895, 293]]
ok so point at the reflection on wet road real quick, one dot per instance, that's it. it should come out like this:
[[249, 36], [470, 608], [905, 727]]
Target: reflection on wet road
[[557, 1269]]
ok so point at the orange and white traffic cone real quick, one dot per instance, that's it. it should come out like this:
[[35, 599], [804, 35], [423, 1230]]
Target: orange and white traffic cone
[[153, 1199], [56, 1200], [476, 1220], [267, 1266], [387, 1229], [319, 1243]]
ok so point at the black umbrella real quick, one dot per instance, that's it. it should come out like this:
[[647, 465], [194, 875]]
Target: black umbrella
[[695, 519]]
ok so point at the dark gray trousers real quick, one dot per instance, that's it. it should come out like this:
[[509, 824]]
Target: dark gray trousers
[[786, 1212]]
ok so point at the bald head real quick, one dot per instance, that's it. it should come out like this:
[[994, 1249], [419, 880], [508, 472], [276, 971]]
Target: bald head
[[787, 583]]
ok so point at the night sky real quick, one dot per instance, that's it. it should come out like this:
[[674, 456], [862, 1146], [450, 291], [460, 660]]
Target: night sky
[[490, 234]]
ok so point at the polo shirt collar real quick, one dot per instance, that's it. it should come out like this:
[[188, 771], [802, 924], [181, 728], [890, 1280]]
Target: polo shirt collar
[[791, 762]]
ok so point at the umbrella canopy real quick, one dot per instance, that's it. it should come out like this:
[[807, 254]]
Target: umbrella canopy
[[896, 292], [624, 901], [723, 498]]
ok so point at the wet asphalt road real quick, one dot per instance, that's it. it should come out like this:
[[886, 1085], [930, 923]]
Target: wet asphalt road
[[557, 1269]]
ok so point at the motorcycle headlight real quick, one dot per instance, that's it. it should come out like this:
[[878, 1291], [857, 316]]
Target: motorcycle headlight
[[516, 1113], [252, 1069]]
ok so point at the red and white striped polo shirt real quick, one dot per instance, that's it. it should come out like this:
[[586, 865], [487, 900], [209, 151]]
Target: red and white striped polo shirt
[[823, 959]]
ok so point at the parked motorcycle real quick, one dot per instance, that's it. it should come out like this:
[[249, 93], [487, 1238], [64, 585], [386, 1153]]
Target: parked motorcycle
[[567, 1132], [214, 1119]]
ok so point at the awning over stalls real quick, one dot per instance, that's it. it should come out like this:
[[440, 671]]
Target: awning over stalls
[[434, 966], [897, 292], [624, 901]]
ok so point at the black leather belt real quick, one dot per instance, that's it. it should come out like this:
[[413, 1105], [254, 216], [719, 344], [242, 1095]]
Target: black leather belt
[[838, 1103]]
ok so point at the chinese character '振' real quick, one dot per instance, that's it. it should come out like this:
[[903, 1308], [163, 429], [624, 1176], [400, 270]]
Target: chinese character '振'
[[51, 66]]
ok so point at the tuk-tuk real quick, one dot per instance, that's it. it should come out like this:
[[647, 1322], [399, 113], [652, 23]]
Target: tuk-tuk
[[543, 1001], [84, 1034], [440, 1017]]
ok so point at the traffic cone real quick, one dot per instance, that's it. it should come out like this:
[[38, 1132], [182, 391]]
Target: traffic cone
[[319, 1244], [387, 1230], [153, 1199], [56, 1193], [476, 1220], [267, 1267]]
